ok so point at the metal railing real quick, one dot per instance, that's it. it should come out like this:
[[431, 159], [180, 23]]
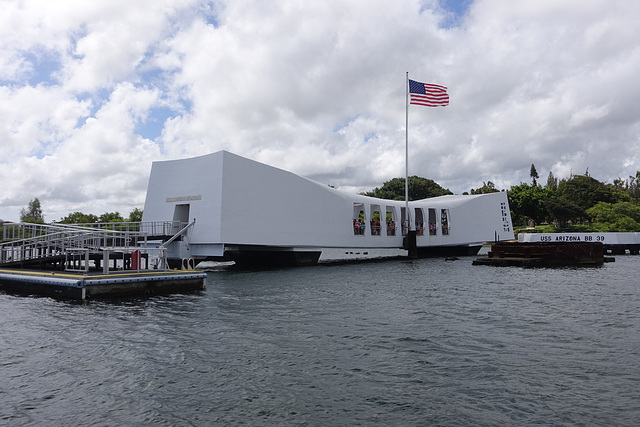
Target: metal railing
[[26, 242], [154, 228]]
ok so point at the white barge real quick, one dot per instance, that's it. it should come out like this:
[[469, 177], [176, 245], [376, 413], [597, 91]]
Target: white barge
[[233, 208]]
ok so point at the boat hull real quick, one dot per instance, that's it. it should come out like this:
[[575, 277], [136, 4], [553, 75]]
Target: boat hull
[[268, 257]]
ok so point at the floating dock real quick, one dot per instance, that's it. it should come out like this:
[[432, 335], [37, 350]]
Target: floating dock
[[545, 254], [94, 285], [82, 261]]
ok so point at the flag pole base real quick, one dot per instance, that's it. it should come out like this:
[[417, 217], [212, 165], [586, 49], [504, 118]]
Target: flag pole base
[[410, 244]]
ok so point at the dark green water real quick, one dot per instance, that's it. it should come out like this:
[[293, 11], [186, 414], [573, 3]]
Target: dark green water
[[425, 342]]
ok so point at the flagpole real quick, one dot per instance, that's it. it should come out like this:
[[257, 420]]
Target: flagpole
[[406, 160], [429, 95]]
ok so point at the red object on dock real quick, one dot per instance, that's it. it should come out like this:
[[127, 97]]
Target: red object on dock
[[136, 260]]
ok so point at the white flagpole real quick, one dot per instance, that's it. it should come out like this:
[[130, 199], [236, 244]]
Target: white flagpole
[[406, 143]]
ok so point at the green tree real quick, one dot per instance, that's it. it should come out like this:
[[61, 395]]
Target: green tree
[[633, 186], [79, 218], [533, 173], [619, 183], [624, 224], [622, 216], [32, 213], [586, 191], [419, 188], [552, 182], [487, 187], [563, 210], [135, 215], [527, 202], [110, 217]]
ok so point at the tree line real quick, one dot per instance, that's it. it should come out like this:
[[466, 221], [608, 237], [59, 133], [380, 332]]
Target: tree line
[[577, 203], [580, 203], [33, 214]]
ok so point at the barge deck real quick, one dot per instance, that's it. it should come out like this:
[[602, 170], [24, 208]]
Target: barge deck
[[545, 254], [95, 285], [83, 261]]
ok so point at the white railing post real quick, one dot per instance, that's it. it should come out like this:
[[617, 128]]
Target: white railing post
[[105, 261]]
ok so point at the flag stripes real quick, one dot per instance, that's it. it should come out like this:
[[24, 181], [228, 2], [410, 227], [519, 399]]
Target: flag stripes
[[427, 94]]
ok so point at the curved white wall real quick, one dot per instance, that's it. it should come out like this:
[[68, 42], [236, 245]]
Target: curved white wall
[[239, 201]]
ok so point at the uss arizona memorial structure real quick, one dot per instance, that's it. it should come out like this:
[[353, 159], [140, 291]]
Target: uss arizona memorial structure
[[233, 208]]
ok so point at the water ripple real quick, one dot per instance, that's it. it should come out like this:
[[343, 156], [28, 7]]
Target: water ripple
[[385, 343]]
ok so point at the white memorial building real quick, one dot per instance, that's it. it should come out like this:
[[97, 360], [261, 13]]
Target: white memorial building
[[233, 208]]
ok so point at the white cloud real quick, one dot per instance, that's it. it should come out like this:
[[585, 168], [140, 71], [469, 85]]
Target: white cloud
[[316, 88]]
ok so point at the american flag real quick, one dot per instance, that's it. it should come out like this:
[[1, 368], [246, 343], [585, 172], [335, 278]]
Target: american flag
[[428, 94]]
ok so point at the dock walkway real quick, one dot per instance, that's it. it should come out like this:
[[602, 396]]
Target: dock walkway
[[93, 260]]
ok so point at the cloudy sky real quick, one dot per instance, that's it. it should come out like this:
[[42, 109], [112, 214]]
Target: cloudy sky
[[92, 92]]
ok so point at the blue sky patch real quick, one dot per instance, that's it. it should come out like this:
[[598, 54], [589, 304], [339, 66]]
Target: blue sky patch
[[339, 126], [43, 66], [152, 127], [456, 11]]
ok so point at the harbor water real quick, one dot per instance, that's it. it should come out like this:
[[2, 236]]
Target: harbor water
[[395, 342]]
